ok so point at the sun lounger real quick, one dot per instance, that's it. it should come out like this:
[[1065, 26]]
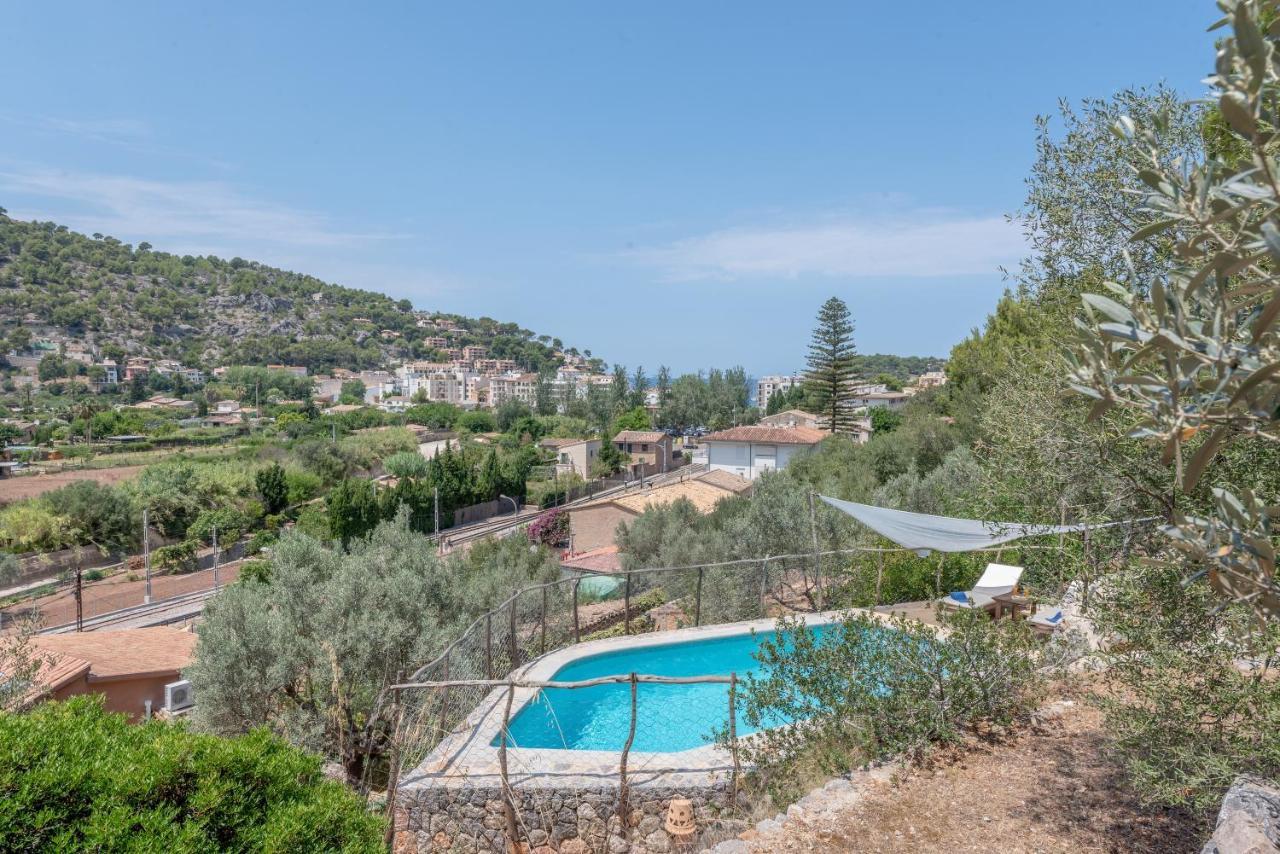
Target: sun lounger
[[997, 579], [1047, 619]]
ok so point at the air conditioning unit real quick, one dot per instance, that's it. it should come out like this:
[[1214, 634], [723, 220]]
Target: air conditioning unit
[[178, 696]]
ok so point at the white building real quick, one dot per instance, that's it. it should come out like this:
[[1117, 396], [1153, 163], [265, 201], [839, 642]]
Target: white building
[[749, 451], [932, 379], [767, 387]]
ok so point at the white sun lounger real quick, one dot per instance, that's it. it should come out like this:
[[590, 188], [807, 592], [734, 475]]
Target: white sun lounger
[[997, 579]]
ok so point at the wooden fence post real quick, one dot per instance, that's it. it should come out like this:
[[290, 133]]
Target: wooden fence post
[[393, 779], [444, 697], [508, 806], [513, 648], [488, 645], [879, 574], [622, 768], [817, 559], [543, 645], [733, 736], [577, 631], [626, 607], [697, 600]]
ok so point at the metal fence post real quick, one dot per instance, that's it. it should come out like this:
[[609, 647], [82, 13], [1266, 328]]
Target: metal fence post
[[697, 600], [626, 750]]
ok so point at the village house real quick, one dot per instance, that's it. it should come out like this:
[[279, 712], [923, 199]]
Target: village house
[[650, 451], [931, 379], [594, 525], [750, 451], [573, 456], [790, 418], [130, 668]]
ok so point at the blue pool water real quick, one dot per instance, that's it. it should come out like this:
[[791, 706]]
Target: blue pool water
[[669, 717]]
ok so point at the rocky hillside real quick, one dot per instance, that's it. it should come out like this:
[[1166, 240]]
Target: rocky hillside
[[208, 311]]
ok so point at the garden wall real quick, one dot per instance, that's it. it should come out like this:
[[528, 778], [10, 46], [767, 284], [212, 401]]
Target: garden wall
[[566, 820]]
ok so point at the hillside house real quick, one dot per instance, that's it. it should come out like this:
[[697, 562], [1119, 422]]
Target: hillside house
[[750, 451], [573, 456], [128, 667], [651, 451], [594, 525]]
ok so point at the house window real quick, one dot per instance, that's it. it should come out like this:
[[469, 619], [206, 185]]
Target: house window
[[644, 448]]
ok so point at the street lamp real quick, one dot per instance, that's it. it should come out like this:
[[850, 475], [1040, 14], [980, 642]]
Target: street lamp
[[515, 508]]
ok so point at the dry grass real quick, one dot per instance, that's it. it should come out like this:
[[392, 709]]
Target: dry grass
[[1056, 787]]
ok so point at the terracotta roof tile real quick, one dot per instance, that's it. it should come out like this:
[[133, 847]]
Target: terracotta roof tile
[[123, 652], [769, 435], [640, 436]]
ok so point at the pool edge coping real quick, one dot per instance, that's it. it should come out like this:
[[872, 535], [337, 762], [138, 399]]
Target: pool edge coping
[[467, 758]]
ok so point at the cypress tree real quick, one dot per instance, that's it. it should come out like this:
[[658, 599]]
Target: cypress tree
[[831, 367]]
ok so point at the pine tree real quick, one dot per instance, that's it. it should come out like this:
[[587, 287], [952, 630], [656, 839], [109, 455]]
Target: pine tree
[[831, 367]]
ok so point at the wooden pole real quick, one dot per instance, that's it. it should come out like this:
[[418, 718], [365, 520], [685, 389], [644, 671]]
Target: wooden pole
[[393, 781], [488, 645], [79, 597], [626, 750], [513, 649], [937, 575], [444, 699], [764, 584], [879, 574], [508, 807], [577, 632], [543, 645], [626, 607], [817, 559], [733, 737], [697, 600]]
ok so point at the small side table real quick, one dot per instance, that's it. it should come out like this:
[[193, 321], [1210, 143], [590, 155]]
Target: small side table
[[1014, 602]]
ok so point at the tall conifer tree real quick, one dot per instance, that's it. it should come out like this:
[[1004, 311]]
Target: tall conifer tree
[[828, 382]]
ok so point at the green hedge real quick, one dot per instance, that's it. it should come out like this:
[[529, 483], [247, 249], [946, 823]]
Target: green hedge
[[76, 778]]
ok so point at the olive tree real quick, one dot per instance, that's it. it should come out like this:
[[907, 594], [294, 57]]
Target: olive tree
[[1195, 354]]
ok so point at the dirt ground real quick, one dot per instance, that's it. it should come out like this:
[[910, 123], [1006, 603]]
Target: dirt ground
[[1056, 787], [116, 592], [30, 485]]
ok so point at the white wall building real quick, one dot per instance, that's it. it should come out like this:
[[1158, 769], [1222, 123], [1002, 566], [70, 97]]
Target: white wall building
[[750, 451], [767, 387]]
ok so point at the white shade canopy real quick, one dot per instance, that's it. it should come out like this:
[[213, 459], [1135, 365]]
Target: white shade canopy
[[927, 533]]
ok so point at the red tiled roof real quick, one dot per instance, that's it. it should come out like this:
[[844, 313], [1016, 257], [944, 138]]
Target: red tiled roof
[[640, 436], [605, 559], [124, 652], [769, 435]]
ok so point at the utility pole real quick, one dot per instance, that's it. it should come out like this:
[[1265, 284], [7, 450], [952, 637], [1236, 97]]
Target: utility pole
[[79, 596], [215, 557], [146, 553], [435, 505]]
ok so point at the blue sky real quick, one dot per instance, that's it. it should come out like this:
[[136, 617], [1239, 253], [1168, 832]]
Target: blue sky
[[679, 183]]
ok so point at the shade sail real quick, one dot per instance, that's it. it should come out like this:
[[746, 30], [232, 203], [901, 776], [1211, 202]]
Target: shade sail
[[926, 533]]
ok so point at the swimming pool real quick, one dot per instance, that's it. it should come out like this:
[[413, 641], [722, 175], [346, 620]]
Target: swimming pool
[[669, 717]]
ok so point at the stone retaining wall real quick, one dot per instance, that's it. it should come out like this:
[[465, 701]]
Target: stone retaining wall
[[568, 821]]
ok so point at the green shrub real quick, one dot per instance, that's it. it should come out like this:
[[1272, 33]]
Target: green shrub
[[865, 689], [76, 778]]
